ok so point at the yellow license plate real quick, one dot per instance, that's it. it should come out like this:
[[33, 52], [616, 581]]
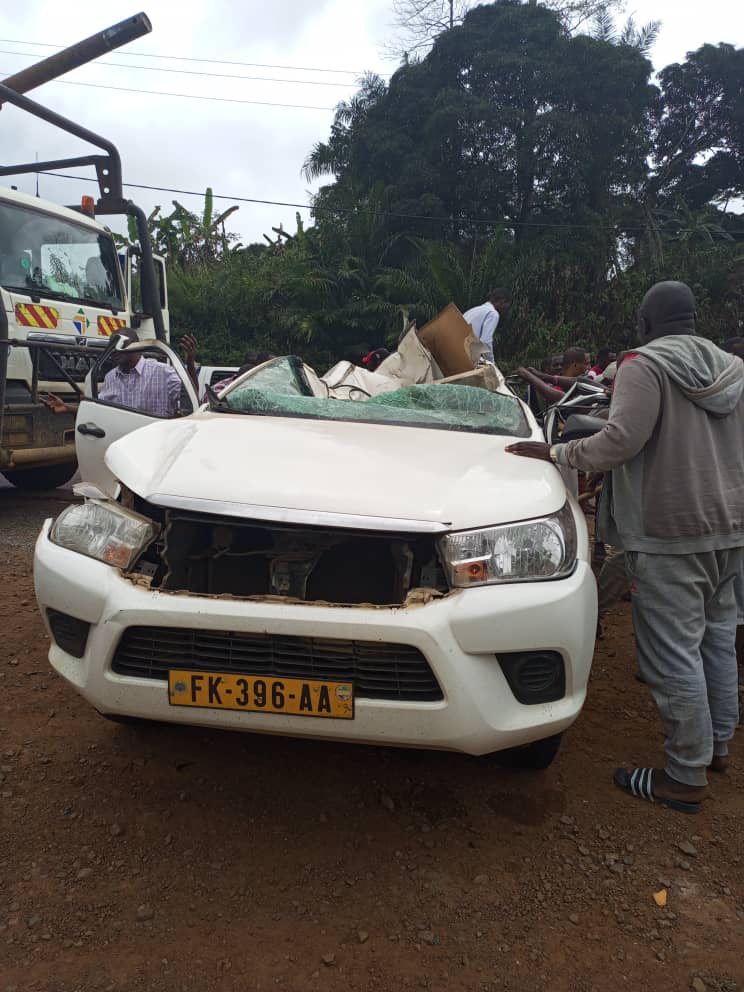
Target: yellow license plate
[[261, 694]]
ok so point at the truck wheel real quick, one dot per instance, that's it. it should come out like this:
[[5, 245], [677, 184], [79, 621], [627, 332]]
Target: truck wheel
[[48, 477], [536, 756]]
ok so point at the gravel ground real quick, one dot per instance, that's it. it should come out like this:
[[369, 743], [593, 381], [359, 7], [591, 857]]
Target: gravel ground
[[22, 514], [169, 859]]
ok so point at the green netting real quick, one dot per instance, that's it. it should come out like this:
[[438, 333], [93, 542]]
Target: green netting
[[447, 407]]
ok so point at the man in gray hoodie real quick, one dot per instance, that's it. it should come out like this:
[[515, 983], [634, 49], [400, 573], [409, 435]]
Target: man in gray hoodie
[[673, 445]]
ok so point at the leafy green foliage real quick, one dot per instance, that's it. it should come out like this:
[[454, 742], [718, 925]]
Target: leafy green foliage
[[185, 238], [699, 127], [516, 153]]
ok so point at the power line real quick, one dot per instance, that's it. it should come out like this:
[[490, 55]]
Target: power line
[[439, 219], [197, 72], [187, 58], [185, 96], [192, 192]]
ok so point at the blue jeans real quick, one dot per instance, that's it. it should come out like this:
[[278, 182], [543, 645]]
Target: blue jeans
[[684, 616]]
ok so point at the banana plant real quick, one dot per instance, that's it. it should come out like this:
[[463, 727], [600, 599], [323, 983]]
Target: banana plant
[[187, 238]]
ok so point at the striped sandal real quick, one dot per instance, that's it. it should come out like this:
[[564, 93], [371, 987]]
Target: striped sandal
[[640, 783]]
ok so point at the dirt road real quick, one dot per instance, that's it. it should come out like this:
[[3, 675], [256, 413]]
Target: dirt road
[[22, 514], [166, 859]]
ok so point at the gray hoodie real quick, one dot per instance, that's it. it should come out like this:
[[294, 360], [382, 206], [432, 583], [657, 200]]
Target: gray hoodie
[[708, 377], [674, 443]]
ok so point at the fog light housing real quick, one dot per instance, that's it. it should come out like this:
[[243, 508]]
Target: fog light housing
[[69, 633], [535, 676]]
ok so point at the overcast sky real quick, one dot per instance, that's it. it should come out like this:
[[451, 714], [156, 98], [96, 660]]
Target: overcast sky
[[239, 148]]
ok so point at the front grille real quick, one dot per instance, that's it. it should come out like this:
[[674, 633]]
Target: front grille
[[19, 431], [18, 423], [378, 671], [76, 363]]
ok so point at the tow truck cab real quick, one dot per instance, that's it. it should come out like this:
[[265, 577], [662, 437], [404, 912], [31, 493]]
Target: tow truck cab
[[64, 286]]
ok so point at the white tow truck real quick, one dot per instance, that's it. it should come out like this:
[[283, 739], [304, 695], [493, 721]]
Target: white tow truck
[[65, 288]]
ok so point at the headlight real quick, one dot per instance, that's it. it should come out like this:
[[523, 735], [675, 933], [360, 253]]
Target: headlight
[[521, 552], [104, 531]]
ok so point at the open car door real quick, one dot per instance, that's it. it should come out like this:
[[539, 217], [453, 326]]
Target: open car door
[[100, 423]]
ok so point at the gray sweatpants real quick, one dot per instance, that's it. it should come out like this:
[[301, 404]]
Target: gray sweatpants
[[684, 615], [739, 596], [612, 580]]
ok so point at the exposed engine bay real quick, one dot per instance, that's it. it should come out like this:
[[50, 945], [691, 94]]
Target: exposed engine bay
[[208, 555]]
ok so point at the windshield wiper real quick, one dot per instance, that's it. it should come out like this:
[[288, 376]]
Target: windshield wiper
[[57, 294], [18, 289], [215, 403]]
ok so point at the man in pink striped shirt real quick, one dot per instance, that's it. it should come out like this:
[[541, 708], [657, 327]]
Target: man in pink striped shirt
[[145, 384]]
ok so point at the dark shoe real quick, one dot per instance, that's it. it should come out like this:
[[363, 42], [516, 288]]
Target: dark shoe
[[655, 786]]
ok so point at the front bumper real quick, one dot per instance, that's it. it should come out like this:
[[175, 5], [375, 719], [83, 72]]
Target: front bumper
[[459, 635]]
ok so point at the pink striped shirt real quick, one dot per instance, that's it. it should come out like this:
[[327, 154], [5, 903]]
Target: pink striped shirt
[[151, 387]]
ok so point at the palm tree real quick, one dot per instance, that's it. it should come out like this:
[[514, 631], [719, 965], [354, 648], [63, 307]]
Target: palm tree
[[331, 157], [642, 38]]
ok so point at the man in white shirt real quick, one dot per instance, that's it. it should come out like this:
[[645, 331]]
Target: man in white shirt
[[485, 319]]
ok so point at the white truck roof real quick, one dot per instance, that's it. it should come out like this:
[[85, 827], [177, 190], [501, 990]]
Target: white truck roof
[[35, 203]]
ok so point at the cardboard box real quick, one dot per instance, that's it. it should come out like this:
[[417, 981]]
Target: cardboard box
[[484, 377], [450, 339]]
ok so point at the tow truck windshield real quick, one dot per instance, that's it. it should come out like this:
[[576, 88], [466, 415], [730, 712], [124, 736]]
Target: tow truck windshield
[[48, 256]]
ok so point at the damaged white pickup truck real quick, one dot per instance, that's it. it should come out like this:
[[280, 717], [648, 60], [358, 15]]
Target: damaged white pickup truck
[[338, 558]]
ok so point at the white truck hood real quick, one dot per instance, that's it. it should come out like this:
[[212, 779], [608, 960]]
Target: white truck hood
[[222, 462]]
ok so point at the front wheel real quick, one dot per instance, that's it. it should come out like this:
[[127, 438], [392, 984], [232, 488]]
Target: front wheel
[[48, 477], [535, 757]]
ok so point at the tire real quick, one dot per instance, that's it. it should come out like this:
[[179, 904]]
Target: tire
[[48, 477], [533, 757]]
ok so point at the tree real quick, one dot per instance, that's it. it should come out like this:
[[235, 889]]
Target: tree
[[508, 151], [331, 157], [642, 38], [131, 238], [419, 23], [577, 14], [514, 152], [699, 128], [186, 238], [697, 140], [507, 123]]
